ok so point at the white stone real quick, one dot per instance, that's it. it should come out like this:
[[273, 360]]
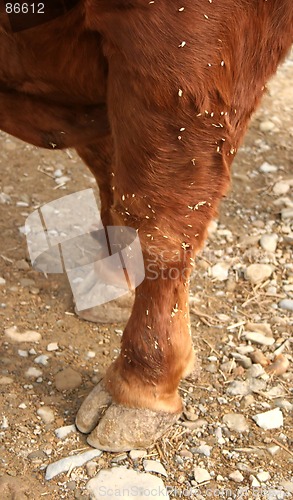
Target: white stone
[[272, 419], [22, 353], [257, 273], [127, 484], [33, 372], [201, 475], [220, 271], [266, 168], [236, 476], [266, 126], [28, 336], [287, 213], [154, 466], [269, 242], [286, 304], [273, 450], [281, 188], [62, 432], [2, 281], [263, 476], [254, 482], [42, 360], [69, 463], [258, 338], [53, 346], [136, 454], [46, 414]]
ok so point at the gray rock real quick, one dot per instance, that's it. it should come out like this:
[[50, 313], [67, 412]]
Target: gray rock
[[42, 360], [243, 360], [255, 371], [259, 338], [67, 463], [154, 466], [238, 388], [201, 475], [272, 419], [203, 449], [236, 422], [133, 484], [286, 304]]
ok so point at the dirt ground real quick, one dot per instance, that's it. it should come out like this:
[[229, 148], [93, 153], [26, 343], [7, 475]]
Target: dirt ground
[[31, 301]]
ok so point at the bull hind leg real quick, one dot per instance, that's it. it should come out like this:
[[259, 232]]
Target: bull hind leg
[[169, 193], [179, 99]]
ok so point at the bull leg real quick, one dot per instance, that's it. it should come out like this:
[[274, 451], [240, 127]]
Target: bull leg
[[179, 99], [171, 213]]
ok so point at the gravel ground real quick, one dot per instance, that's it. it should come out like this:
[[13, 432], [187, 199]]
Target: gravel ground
[[235, 437]]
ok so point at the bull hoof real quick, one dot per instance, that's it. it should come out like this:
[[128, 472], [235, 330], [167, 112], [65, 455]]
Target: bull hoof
[[116, 428]]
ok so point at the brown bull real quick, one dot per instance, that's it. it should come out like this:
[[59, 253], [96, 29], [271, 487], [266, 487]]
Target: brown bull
[[155, 96]]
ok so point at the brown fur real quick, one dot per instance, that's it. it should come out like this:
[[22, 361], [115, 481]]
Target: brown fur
[[170, 93]]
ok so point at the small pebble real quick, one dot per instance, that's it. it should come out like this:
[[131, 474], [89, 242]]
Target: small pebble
[[259, 338], [154, 466], [62, 432], [53, 346], [236, 476], [69, 463], [137, 454], [201, 475], [236, 422], [42, 360], [33, 372], [27, 336], [263, 476], [269, 242], [286, 304], [257, 273], [46, 414], [267, 168], [272, 419], [67, 380]]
